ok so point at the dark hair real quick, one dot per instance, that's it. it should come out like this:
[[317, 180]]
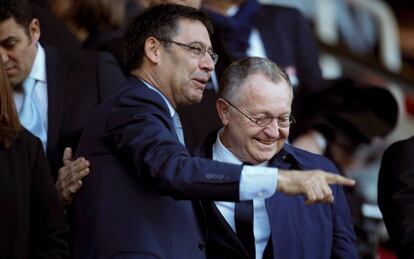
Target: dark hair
[[161, 22], [19, 10], [238, 71], [98, 14], [9, 121]]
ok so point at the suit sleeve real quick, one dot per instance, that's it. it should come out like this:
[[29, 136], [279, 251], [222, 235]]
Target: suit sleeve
[[48, 226], [396, 196], [111, 77], [143, 136]]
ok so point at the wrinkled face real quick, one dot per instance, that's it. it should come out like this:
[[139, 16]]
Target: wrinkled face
[[192, 3], [185, 74], [258, 96], [18, 49]]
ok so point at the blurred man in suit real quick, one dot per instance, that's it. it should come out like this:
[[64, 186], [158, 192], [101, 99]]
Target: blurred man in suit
[[54, 90], [396, 195], [129, 205], [255, 109]]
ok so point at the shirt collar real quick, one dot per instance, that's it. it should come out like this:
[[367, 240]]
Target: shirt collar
[[170, 107], [221, 153], [38, 71]]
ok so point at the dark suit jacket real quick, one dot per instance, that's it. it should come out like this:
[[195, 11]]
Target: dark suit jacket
[[77, 81], [128, 206], [32, 222], [288, 42], [297, 230], [396, 195]]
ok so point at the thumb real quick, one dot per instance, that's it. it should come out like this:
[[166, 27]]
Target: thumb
[[67, 156]]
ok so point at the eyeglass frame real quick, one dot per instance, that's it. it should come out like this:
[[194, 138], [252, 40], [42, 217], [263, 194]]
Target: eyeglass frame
[[272, 118], [195, 49]]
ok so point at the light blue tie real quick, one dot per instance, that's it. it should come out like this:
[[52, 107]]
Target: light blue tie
[[178, 128], [29, 113]]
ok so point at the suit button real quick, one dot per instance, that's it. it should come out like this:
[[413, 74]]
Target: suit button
[[201, 246]]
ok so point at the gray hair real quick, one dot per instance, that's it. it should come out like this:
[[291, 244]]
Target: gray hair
[[235, 75]]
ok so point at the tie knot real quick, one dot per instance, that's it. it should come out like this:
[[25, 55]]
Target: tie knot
[[28, 86]]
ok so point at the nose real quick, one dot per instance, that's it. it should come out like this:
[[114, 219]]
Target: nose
[[207, 63], [272, 130]]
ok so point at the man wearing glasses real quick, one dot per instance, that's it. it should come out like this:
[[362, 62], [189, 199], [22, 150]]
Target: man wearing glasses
[[254, 105], [135, 201]]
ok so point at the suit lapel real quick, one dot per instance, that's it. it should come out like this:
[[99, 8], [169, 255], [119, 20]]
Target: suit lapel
[[55, 92]]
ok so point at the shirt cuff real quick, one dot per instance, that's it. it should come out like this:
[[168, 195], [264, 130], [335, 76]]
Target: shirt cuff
[[257, 182]]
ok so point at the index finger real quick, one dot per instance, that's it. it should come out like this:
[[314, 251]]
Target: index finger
[[338, 179]]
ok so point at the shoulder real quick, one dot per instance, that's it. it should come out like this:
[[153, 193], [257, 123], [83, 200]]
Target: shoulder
[[399, 154], [136, 101], [26, 147], [308, 160], [401, 146]]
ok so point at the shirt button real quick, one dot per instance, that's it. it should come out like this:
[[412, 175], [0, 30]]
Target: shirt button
[[261, 194]]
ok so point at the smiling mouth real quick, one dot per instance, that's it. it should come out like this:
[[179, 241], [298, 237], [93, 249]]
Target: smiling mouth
[[265, 142]]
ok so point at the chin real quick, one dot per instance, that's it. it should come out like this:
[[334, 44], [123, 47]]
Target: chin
[[196, 98]]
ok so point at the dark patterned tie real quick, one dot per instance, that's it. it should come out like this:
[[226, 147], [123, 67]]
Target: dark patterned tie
[[243, 218]]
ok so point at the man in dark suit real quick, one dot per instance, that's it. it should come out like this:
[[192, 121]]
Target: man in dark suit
[[255, 109], [129, 204], [395, 195], [66, 87]]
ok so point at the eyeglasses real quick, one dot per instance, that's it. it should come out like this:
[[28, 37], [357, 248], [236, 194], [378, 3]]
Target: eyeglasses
[[283, 121], [197, 50]]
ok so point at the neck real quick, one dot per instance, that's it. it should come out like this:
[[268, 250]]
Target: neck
[[148, 77]]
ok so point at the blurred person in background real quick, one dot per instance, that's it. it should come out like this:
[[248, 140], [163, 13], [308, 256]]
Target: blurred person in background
[[396, 196], [32, 221], [93, 22], [54, 90]]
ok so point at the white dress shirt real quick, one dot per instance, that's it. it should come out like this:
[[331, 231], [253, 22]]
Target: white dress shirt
[[261, 225]]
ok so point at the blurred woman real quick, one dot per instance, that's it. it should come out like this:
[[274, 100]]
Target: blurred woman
[[93, 22], [32, 222]]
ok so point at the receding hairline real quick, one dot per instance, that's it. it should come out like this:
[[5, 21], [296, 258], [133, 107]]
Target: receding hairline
[[279, 81]]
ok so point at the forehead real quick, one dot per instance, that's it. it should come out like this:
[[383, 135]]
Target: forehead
[[192, 31], [260, 91], [10, 28]]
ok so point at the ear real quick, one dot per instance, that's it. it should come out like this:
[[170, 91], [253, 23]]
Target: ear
[[34, 30], [223, 111], [152, 49]]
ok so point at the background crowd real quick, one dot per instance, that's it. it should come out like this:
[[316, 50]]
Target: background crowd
[[349, 65]]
